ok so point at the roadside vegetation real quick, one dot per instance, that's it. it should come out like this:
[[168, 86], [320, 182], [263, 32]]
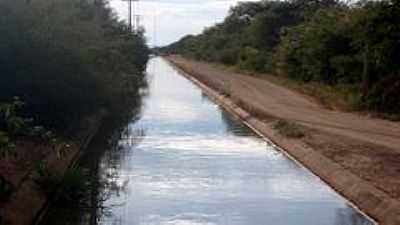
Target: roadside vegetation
[[289, 129], [347, 52], [61, 62]]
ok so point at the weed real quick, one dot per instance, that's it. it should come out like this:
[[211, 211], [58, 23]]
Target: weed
[[69, 189], [288, 129]]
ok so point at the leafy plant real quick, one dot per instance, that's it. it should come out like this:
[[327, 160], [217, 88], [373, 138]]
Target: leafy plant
[[12, 126]]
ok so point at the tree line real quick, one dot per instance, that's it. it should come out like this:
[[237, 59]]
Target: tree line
[[65, 60], [353, 44]]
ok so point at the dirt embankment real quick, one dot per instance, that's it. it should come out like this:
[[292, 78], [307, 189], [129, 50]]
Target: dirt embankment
[[356, 155], [28, 202]]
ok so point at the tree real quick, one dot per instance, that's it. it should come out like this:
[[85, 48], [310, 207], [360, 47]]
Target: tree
[[67, 58]]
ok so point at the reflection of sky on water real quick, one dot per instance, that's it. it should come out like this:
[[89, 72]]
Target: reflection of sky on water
[[191, 164]]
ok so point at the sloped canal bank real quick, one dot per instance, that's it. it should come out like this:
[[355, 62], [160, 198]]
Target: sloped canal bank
[[186, 161]]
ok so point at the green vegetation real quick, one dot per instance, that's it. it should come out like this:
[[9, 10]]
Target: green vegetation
[[288, 129], [71, 189], [13, 126], [67, 59], [353, 48], [5, 189]]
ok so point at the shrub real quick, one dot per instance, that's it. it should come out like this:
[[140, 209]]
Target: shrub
[[252, 59], [384, 96], [68, 189], [288, 129]]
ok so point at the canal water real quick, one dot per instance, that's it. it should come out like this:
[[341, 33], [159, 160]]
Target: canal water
[[184, 161]]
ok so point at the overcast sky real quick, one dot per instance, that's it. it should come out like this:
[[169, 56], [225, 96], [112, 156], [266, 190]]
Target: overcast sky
[[167, 21]]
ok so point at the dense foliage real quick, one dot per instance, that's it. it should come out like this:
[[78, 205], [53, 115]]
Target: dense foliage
[[331, 42], [67, 59]]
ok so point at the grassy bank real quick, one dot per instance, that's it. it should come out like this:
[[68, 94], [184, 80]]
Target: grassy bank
[[339, 97]]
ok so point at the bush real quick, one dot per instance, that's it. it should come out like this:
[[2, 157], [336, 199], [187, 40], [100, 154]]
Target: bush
[[384, 96], [252, 59], [69, 189], [74, 187], [288, 129], [228, 56]]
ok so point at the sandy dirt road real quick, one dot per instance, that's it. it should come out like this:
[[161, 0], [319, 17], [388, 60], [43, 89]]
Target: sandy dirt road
[[286, 104], [368, 147]]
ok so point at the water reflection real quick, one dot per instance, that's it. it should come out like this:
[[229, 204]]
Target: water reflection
[[186, 162], [235, 127], [349, 217]]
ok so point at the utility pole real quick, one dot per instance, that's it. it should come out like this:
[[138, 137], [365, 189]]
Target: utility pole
[[132, 15]]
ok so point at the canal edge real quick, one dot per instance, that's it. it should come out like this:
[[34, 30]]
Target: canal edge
[[373, 203], [29, 204]]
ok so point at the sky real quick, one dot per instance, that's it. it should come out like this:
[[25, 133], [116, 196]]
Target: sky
[[166, 21]]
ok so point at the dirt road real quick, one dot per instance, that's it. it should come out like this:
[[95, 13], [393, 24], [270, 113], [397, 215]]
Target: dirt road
[[368, 147], [286, 104]]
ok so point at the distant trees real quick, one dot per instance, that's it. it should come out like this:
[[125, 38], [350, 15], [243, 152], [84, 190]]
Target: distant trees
[[311, 40], [67, 58], [320, 49]]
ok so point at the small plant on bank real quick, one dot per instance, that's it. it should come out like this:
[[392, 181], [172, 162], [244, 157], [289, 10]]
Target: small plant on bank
[[4, 140], [288, 129], [73, 187], [14, 126], [46, 181], [69, 189], [7, 148]]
